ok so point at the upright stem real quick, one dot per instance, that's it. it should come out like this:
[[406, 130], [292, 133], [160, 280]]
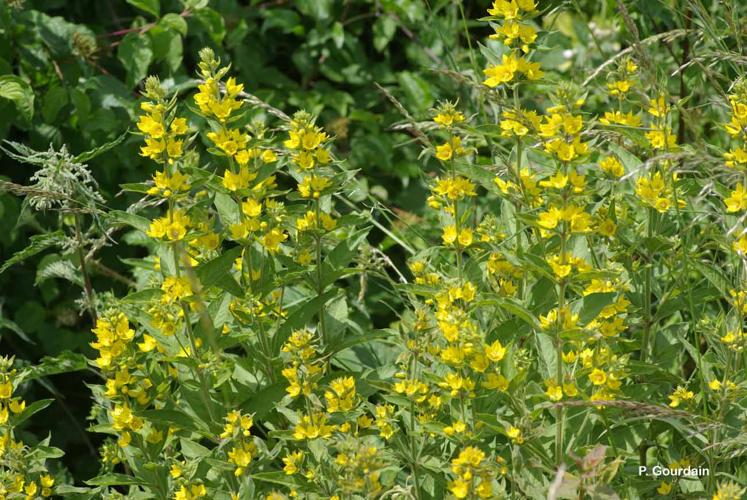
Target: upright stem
[[319, 277], [648, 278], [84, 271], [560, 414]]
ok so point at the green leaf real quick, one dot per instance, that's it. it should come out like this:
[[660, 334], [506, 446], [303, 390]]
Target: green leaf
[[217, 272], [300, 316], [150, 6], [263, 402], [416, 89], [54, 100], [383, 32], [5, 323], [65, 362], [228, 209], [213, 23], [338, 34], [62, 269], [112, 479], [172, 417], [31, 409], [593, 305], [99, 150], [126, 218], [136, 54], [278, 477], [174, 22], [38, 243], [17, 90], [167, 46]]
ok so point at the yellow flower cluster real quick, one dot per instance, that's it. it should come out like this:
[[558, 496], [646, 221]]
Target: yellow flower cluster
[[113, 339], [512, 25], [162, 134], [474, 474]]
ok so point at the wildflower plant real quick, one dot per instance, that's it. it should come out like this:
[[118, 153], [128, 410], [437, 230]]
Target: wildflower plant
[[568, 309]]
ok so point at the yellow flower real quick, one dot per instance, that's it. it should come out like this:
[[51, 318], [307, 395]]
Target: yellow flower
[[6, 389], [619, 87], [737, 201], [312, 426], [658, 107], [664, 488], [272, 239], [495, 351], [514, 433], [312, 186], [554, 391], [447, 116], [292, 462], [341, 395], [173, 226], [597, 377], [662, 139], [612, 166], [680, 395], [240, 180]]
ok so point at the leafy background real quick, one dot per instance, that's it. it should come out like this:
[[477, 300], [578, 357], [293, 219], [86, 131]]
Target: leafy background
[[70, 74]]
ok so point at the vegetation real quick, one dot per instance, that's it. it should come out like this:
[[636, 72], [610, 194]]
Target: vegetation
[[391, 249]]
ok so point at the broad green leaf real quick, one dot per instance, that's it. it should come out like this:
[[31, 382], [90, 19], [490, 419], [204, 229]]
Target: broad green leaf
[[136, 54], [17, 90], [136, 221], [213, 23], [217, 272]]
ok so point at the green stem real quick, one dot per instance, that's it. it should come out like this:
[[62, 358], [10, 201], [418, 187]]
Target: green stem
[[319, 278], [88, 287], [647, 285]]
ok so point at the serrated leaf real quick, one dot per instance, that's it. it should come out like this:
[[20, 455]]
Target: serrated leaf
[[63, 269], [93, 153], [64, 362], [38, 243]]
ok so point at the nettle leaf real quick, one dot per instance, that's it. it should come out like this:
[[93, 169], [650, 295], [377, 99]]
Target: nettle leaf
[[98, 151], [63, 269], [64, 362], [150, 6], [136, 54], [39, 243], [15, 89]]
